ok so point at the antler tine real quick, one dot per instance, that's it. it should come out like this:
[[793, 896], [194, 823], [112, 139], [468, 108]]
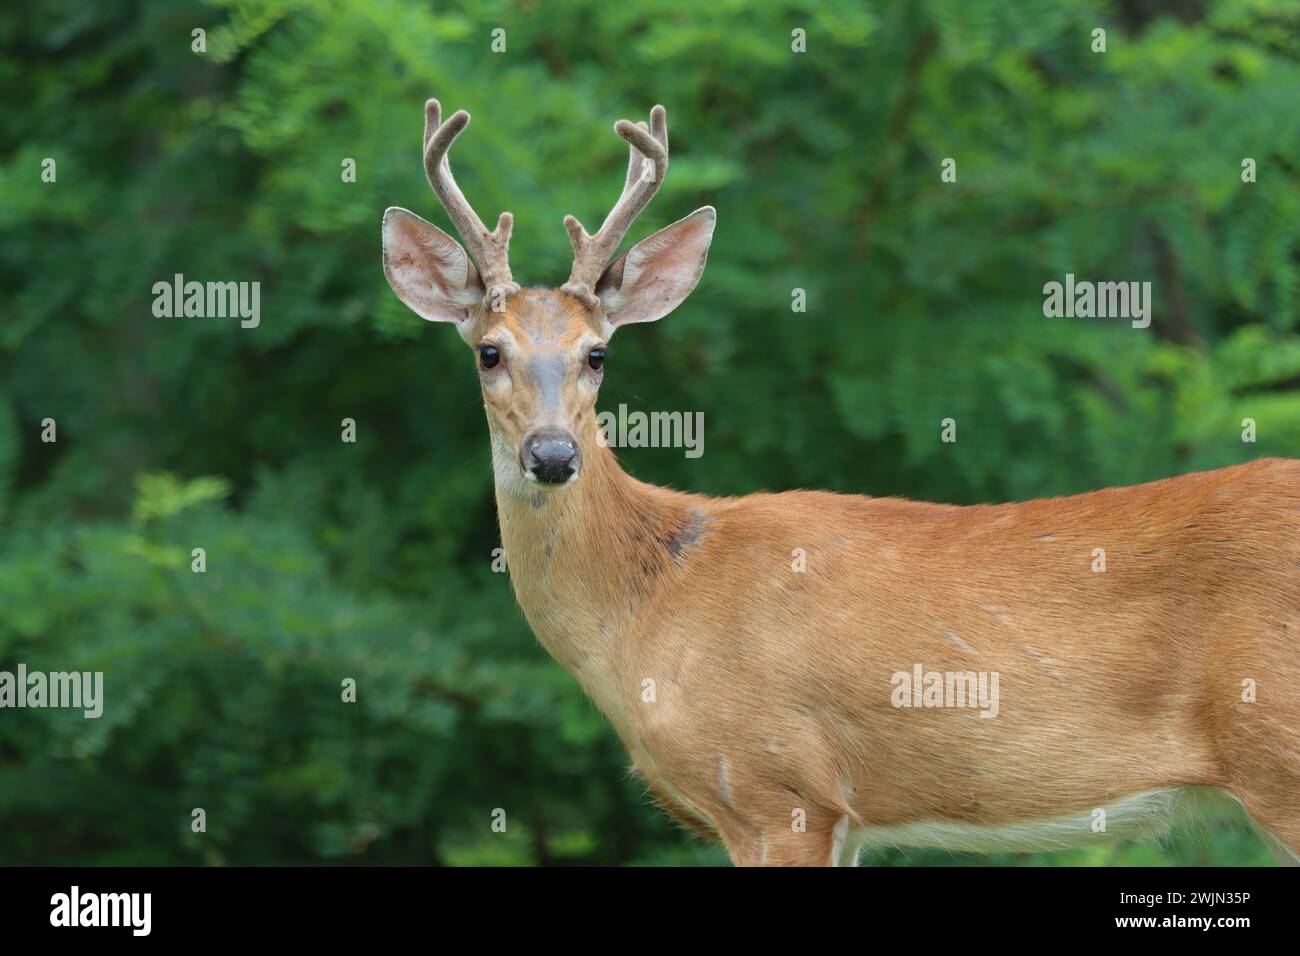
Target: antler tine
[[489, 249], [592, 253]]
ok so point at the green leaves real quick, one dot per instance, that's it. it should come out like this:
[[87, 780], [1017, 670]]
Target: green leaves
[[164, 495]]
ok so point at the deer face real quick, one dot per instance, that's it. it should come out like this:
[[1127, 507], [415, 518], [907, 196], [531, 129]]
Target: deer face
[[541, 361], [540, 353]]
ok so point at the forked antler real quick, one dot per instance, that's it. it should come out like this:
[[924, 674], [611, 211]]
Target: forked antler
[[647, 162], [490, 250]]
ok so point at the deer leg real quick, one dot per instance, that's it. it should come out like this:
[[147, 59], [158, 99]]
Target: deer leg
[[1269, 794], [814, 847], [820, 841]]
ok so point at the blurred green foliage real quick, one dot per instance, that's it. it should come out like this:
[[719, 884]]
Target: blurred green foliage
[[372, 560]]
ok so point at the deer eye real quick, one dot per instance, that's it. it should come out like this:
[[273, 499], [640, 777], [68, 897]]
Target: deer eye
[[489, 356], [596, 359]]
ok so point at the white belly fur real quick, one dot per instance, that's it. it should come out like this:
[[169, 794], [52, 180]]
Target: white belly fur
[[1143, 816]]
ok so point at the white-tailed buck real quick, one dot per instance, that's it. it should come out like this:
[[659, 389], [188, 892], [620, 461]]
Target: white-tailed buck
[[806, 673]]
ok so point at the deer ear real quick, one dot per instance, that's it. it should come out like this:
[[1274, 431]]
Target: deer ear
[[655, 276], [428, 269]]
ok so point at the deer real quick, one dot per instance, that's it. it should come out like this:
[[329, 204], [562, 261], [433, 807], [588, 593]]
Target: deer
[[800, 709]]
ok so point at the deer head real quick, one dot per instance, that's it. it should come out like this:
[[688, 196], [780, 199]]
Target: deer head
[[540, 352]]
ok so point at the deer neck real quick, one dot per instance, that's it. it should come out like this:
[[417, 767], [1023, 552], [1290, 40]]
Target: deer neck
[[584, 559]]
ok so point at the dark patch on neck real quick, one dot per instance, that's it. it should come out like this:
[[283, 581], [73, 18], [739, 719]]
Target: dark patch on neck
[[687, 534], [654, 538]]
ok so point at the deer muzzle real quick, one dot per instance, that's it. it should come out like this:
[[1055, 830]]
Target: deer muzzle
[[550, 456]]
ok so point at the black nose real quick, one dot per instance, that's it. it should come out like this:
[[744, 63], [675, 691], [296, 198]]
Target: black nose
[[551, 455]]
